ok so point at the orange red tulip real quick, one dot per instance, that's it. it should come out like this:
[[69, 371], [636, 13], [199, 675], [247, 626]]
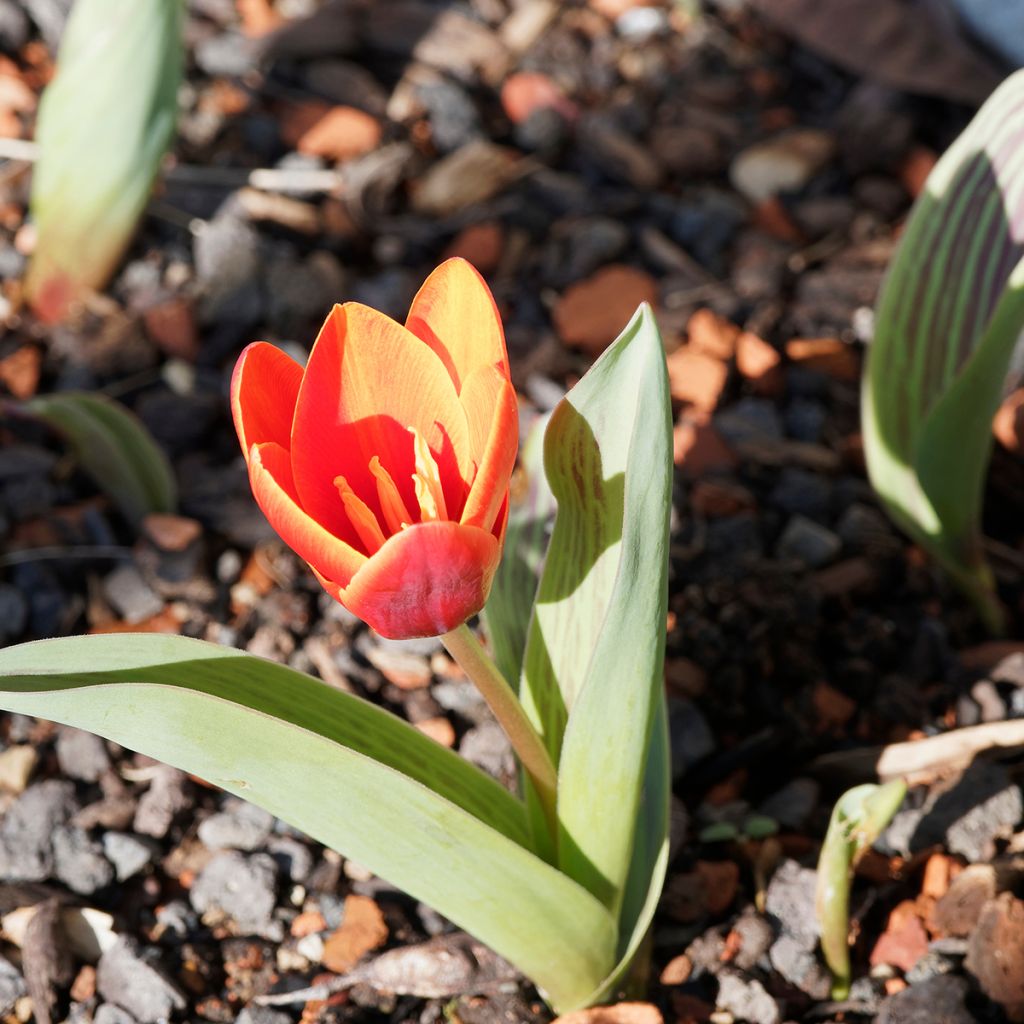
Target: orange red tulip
[[385, 463]]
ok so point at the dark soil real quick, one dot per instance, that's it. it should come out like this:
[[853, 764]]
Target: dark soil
[[806, 633]]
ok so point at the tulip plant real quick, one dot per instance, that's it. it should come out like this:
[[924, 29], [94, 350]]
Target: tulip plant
[[385, 464], [947, 322]]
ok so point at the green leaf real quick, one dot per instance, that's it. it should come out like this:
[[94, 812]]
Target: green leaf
[[532, 508], [346, 772], [105, 123], [596, 643], [113, 446], [858, 819], [948, 317]]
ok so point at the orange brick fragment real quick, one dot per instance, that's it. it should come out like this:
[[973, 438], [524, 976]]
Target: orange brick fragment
[[827, 355], [362, 930]]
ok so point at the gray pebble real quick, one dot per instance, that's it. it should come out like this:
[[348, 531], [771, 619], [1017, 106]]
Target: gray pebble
[[808, 542], [126, 976], [27, 829], [792, 805], [487, 746], [243, 888], [746, 998], [262, 1015], [130, 595], [108, 1013], [13, 612], [939, 1000], [165, 798], [239, 826], [749, 419], [81, 755], [12, 985], [790, 899], [293, 857], [692, 738], [78, 861], [129, 854]]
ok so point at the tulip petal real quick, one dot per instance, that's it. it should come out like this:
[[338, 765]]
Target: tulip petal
[[367, 382], [455, 314], [479, 397], [270, 474], [264, 388], [490, 485], [424, 581]]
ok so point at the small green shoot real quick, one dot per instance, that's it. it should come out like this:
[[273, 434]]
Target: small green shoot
[[858, 819]]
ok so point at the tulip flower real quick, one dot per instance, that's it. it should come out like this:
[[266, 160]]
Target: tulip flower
[[385, 464]]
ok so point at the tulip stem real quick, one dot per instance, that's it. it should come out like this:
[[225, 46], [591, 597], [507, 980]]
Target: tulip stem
[[462, 644]]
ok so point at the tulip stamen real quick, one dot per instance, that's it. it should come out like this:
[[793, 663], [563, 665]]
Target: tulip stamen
[[396, 516], [361, 516], [427, 480]]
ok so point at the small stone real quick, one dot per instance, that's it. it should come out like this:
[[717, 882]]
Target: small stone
[[995, 953], [481, 244], [487, 746], [698, 449], [454, 119], [362, 929], [938, 1000], [293, 858], [785, 163], [16, 767], [439, 729], [526, 92], [1008, 423], [755, 934], [81, 755], [904, 940], [27, 829], [242, 888], [474, 173], [129, 854], [830, 356], [130, 595], [619, 1013], [591, 314], [12, 986], [759, 363], [791, 899], [239, 826], [14, 611], [808, 542], [746, 998], [108, 1013], [404, 669], [792, 805], [958, 910], [716, 499], [713, 334], [126, 976], [78, 861], [19, 371], [749, 419], [802, 492], [692, 738], [158, 806], [171, 324], [262, 1015], [618, 155], [696, 378]]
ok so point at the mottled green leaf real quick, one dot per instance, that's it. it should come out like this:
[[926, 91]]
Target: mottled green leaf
[[112, 445], [346, 772], [950, 312]]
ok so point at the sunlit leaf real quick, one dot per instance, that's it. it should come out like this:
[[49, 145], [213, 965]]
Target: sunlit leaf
[[105, 123], [349, 774], [596, 643], [948, 318], [113, 446]]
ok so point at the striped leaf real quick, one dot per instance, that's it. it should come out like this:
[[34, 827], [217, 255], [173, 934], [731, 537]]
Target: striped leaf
[[948, 318], [105, 123]]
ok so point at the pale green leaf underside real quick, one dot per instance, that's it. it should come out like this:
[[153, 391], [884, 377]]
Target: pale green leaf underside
[[948, 317], [114, 447], [347, 773], [597, 638]]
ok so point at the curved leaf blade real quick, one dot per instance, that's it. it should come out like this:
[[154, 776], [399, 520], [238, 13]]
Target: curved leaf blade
[[946, 324], [105, 122], [347, 773], [113, 447], [598, 633]]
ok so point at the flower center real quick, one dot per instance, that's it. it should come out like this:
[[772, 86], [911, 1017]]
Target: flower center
[[426, 478]]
